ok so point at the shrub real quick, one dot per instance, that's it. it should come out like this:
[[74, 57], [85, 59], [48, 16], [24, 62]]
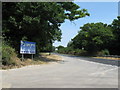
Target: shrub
[[103, 52], [8, 54], [80, 52], [69, 50]]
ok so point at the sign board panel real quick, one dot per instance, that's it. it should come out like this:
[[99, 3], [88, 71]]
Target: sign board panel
[[27, 47]]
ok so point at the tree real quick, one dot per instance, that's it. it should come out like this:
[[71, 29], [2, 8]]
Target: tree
[[37, 21], [70, 44], [115, 44], [60, 47], [93, 37]]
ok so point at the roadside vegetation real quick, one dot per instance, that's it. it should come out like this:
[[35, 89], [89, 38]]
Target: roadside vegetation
[[95, 39], [111, 58], [40, 22], [35, 22], [11, 60]]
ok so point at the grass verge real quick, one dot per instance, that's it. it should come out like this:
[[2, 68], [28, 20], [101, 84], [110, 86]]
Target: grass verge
[[44, 58], [112, 58]]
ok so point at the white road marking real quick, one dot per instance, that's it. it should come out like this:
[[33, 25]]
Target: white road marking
[[103, 72]]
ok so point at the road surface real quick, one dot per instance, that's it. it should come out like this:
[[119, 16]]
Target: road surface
[[71, 72]]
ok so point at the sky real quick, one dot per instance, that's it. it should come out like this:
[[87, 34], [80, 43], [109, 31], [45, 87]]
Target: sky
[[104, 12]]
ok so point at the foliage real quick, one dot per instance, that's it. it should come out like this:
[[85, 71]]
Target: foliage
[[69, 50], [93, 37], [37, 21], [49, 48], [8, 55], [114, 46], [60, 47], [103, 52]]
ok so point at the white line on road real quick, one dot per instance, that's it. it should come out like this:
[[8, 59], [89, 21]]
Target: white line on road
[[103, 72]]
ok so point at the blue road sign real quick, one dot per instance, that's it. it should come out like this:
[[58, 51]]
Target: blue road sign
[[27, 47]]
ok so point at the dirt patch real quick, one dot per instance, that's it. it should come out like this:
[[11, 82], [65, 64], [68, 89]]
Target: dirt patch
[[50, 57]]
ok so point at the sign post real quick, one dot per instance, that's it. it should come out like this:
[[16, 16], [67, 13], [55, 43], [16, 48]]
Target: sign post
[[22, 57], [32, 56], [27, 48]]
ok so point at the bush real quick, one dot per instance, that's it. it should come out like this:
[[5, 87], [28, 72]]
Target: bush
[[80, 52], [8, 54], [68, 50], [103, 52]]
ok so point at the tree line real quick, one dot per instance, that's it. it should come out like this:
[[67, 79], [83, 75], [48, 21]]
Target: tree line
[[95, 39], [37, 22]]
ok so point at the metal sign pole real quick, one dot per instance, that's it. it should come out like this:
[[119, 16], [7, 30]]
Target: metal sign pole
[[32, 56], [22, 57]]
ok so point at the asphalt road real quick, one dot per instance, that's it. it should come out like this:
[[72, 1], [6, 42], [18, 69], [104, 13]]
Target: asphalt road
[[71, 72], [98, 60]]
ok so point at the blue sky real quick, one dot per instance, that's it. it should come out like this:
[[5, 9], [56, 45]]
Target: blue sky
[[104, 12]]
